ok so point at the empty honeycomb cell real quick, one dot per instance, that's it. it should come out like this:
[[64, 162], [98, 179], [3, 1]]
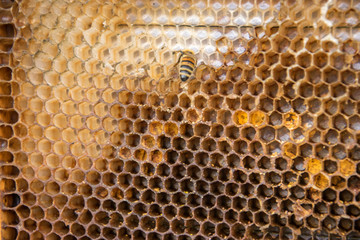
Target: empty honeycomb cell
[[7, 45], [322, 90], [192, 115], [306, 150], [216, 101], [210, 87], [147, 113], [347, 108], [345, 224], [347, 77], [226, 88], [200, 102], [232, 132], [163, 142], [248, 102], [287, 59], [163, 115], [209, 115], [5, 73], [320, 59], [330, 75], [339, 122], [336, 210], [132, 112], [7, 157], [184, 101], [141, 155], [6, 102], [240, 88], [314, 105], [353, 182], [125, 125]]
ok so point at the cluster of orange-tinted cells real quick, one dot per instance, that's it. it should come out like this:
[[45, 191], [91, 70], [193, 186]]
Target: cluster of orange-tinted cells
[[263, 143]]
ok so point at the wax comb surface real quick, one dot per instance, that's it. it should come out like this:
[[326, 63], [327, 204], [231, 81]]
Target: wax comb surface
[[99, 140]]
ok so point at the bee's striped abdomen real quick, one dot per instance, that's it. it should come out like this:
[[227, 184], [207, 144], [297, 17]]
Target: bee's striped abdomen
[[187, 66]]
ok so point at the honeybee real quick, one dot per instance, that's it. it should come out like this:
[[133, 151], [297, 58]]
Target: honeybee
[[187, 61]]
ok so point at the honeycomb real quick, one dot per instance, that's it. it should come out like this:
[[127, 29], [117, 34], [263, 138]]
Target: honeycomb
[[99, 140]]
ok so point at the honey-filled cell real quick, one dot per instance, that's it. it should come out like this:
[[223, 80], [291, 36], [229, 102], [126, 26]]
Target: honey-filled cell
[[179, 120]]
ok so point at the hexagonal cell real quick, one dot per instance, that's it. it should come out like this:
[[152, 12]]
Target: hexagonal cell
[[257, 118], [337, 60], [259, 59], [354, 122], [263, 72], [330, 75], [347, 167], [314, 105], [347, 77], [248, 102], [291, 120], [345, 224], [338, 90], [339, 122], [297, 73], [283, 134], [280, 44], [266, 104], [312, 45], [338, 182], [275, 119], [304, 59], [306, 90], [329, 46], [271, 88], [346, 196], [298, 105], [271, 58], [321, 181], [287, 59], [338, 151], [256, 88], [267, 134], [322, 90], [320, 59]]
